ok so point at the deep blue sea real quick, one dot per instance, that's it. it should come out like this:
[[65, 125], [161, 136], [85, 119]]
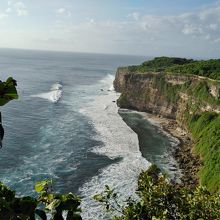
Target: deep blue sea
[[65, 126]]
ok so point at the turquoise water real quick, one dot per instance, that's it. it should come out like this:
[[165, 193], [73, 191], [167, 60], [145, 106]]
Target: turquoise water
[[66, 127], [44, 139], [155, 144]]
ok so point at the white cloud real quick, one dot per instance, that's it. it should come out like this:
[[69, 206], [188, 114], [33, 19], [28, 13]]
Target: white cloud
[[192, 29], [213, 27], [91, 20], [3, 15], [188, 34], [9, 3], [217, 40], [8, 10], [63, 12], [20, 9], [203, 24], [135, 16]]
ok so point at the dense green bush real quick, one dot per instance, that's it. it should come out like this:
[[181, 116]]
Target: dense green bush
[[200, 91], [159, 64], [205, 129], [8, 92], [161, 199], [27, 208], [206, 68]]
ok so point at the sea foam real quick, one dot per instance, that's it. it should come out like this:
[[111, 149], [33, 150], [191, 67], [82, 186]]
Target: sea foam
[[119, 142], [54, 95]]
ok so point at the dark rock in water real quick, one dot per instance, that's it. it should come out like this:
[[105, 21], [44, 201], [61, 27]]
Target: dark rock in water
[[102, 90], [113, 101]]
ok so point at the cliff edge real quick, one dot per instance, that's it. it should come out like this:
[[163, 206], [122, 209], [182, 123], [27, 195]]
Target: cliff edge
[[192, 100]]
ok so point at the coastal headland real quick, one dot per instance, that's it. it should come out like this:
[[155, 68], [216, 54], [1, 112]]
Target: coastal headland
[[183, 96]]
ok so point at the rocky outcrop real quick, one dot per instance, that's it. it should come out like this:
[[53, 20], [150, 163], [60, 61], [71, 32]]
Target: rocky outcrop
[[182, 99], [139, 92], [168, 95], [215, 91]]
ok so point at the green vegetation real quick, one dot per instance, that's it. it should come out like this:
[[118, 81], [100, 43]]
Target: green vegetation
[[27, 208], [158, 198], [159, 64], [200, 91], [166, 89], [8, 91], [206, 68], [205, 129], [161, 199]]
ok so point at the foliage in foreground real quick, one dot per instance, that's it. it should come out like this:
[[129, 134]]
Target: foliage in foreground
[[27, 208], [160, 199], [8, 92]]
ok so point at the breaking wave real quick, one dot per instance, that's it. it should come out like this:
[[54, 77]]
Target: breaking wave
[[54, 95], [120, 141]]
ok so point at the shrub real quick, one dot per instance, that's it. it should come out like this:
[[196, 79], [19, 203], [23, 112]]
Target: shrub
[[161, 199]]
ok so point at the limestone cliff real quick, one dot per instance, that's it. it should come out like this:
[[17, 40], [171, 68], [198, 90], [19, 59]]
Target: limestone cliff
[[168, 95], [193, 101]]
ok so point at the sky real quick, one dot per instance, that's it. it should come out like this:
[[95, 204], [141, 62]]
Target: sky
[[185, 28]]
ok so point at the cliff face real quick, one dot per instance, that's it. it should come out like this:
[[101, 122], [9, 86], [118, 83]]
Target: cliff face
[[168, 95], [193, 101]]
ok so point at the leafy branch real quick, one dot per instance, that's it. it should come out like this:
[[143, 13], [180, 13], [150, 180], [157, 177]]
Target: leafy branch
[[46, 204], [8, 92], [160, 199]]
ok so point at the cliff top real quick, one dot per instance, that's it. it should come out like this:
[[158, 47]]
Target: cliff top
[[203, 68]]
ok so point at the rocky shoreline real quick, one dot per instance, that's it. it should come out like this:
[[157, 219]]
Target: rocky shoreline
[[189, 163]]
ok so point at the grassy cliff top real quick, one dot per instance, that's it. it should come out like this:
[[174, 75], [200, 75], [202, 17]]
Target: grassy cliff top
[[206, 68]]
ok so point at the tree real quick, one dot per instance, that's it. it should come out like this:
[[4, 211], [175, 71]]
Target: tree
[[160, 199]]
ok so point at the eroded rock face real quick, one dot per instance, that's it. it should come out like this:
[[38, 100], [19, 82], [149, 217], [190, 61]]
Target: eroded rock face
[[180, 80], [182, 98], [215, 91], [139, 92], [163, 94], [119, 79]]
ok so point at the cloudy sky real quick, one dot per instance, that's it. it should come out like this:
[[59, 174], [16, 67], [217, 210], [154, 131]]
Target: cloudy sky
[[188, 28]]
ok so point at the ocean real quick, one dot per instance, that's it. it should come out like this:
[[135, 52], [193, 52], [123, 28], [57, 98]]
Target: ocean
[[65, 126]]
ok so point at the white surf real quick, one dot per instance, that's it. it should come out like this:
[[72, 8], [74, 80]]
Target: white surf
[[119, 141], [54, 95]]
